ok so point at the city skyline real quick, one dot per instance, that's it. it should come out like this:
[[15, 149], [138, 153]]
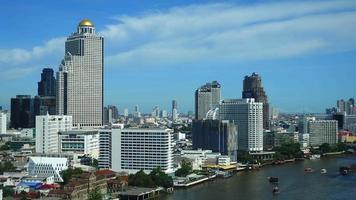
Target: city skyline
[[322, 64]]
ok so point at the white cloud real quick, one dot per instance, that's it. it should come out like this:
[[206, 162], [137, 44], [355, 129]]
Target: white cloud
[[18, 56], [17, 72], [199, 34], [229, 32]]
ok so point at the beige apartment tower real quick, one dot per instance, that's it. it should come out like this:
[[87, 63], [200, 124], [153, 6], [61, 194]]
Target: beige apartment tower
[[80, 77]]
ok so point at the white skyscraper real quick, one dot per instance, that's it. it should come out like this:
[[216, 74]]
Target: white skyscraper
[[248, 116], [80, 77], [47, 128], [3, 123]]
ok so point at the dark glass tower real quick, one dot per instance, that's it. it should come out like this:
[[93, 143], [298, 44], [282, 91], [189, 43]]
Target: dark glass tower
[[47, 85], [22, 112], [252, 88]]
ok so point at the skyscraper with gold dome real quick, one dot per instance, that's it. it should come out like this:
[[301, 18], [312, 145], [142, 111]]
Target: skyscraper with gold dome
[[80, 80]]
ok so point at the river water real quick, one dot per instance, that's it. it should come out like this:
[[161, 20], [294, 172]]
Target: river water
[[294, 183]]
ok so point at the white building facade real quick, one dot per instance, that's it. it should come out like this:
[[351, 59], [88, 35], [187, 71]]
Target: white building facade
[[80, 77], [133, 149], [248, 117], [322, 131], [47, 166], [83, 142], [3, 123], [47, 128]]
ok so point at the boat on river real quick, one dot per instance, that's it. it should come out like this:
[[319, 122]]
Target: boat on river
[[275, 190], [308, 169], [273, 179], [323, 171]]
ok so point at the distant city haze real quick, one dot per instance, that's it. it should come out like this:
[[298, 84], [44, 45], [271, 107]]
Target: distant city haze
[[159, 51]]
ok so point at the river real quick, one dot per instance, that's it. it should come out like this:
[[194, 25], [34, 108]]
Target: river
[[294, 183]]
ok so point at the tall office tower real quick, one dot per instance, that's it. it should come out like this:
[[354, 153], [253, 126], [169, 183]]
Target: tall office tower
[[47, 85], [3, 123], [155, 111], [47, 128], [207, 97], [110, 114], [248, 116], [137, 111], [22, 112], [346, 106], [80, 80], [252, 88], [126, 112], [174, 110], [164, 114], [322, 131], [215, 135]]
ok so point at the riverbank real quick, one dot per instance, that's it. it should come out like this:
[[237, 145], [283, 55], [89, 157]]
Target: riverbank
[[294, 183]]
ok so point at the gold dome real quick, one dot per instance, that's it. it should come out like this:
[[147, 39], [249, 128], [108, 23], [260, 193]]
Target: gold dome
[[86, 22]]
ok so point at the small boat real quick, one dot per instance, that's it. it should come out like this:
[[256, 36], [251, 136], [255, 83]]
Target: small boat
[[275, 190], [323, 171], [314, 157], [344, 170], [273, 179], [308, 169]]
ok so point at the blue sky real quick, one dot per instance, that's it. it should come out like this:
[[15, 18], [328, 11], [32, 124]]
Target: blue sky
[[156, 51]]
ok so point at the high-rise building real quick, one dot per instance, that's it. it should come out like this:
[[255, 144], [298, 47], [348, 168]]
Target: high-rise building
[[111, 114], [215, 135], [252, 88], [207, 97], [174, 110], [22, 112], [126, 112], [134, 149], [347, 106], [322, 131], [44, 105], [3, 123], [47, 129], [47, 85], [80, 80], [248, 116]]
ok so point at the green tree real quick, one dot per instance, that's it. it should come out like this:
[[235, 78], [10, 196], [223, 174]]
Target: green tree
[[325, 148], [244, 157], [5, 146], [7, 166], [186, 168], [69, 173], [95, 163], [95, 194], [160, 178], [141, 179], [288, 150], [341, 146], [8, 191]]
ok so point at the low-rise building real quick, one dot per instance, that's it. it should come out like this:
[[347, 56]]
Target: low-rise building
[[84, 142], [80, 186], [47, 166]]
